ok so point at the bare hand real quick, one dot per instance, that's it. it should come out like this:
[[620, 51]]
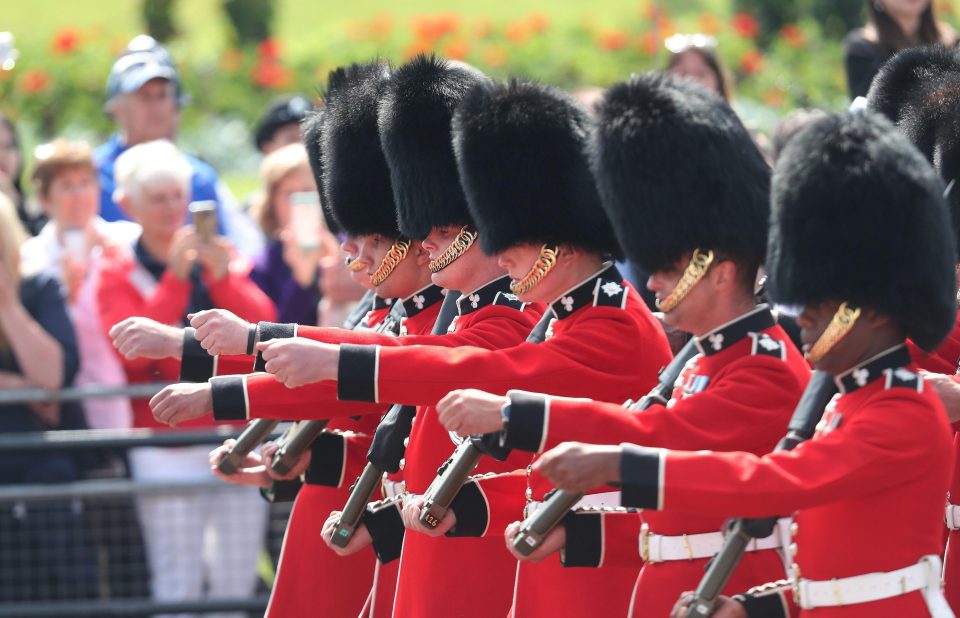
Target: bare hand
[[220, 332], [725, 607], [8, 294], [578, 468], [48, 412], [470, 411], [10, 380], [360, 539], [303, 462], [411, 519], [252, 470], [555, 540], [145, 338], [183, 252], [948, 389], [214, 256], [74, 274], [179, 403], [303, 263], [298, 361]]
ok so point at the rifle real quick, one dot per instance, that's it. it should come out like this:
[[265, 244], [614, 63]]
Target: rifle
[[257, 430], [388, 446], [536, 527], [454, 472], [820, 390]]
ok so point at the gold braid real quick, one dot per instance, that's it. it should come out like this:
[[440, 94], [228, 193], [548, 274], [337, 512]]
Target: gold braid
[[843, 320], [544, 264], [696, 269], [458, 247], [394, 256]]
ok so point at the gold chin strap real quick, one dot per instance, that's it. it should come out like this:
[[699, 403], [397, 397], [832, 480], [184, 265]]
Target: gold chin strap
[[394, 256], [353, 264], [843, 320], [458, 247], [699, 263], [544, 264]]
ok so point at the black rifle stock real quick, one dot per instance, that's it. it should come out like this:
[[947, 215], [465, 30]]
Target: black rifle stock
[[253, 434], [394, 428], [296, 443], [820, 390], [536, 527], [453, 474]]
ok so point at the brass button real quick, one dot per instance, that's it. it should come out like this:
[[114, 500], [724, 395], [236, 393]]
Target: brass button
[[403, 462], [794, 529], [793, 550]]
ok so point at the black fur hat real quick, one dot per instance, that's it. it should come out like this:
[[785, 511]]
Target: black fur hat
[[311, 129], [522, 154], [356, 180], [858, 215], [415, 116], [919, 89], [678, 171]]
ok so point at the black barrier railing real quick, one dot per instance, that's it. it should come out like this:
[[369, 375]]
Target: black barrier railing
[[77, 393], [114, 438], [122, 607]]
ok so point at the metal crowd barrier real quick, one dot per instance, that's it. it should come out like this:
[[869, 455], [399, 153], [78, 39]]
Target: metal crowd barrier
[[89, 530]]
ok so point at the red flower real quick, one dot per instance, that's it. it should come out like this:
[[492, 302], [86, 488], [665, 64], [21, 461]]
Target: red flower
[[793, 36], [774, 97], [34, 81], [709, 24], [270, 75], [269, 49], [517, 33], [432, 28], [751, 62], [613, 40], [382, 24], [482, 28], [538, 22], [65, 42], [456, 49], [494, 56], [746, 25], [647, 43], [418, 47]]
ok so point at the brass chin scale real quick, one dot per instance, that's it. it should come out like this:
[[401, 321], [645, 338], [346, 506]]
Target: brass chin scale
[[544, 264], [394, 256], [458, 247], [699, 263], [843, 320]]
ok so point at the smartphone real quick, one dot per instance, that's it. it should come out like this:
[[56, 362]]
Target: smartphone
[[75, 245], [204, 219], [306, 219]]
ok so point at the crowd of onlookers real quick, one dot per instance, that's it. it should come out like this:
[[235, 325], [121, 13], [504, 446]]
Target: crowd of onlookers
[[97, 235]]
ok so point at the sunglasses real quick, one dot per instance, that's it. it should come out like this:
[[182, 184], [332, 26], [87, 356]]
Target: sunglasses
[[679, 43]]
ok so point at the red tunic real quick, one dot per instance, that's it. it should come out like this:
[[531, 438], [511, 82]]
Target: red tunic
[[127, 289], [883, 447], [737, 395]]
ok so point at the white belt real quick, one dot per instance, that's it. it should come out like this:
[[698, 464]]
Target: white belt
[[952, 516], [660, 548], [923, 576], [609, 499]]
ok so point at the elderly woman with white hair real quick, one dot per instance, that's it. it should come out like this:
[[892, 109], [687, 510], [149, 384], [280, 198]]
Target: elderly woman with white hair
[[169, 273]]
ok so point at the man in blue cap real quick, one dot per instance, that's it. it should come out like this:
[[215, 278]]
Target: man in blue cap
[[144, 97]]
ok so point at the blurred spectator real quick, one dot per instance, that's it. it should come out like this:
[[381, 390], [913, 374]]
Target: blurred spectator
[[892, 25], [38, 349], [694, 56], [144, 97], [790, 125], [280, 125], [68, 249], [11, 171], [589, 97], [287, 271], [191, 537]]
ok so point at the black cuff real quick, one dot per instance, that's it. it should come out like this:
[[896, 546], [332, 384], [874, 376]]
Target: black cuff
[[385, 525], [357, 373], [766, 604], [327, 460], [251, 338], [281, 491], [268, 331], [640, 477], [196, 364], [584, 547], [229, 398], [470, 508], [528, 412]]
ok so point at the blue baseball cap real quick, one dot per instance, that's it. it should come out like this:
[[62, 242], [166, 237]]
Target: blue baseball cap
[[143, 60]]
